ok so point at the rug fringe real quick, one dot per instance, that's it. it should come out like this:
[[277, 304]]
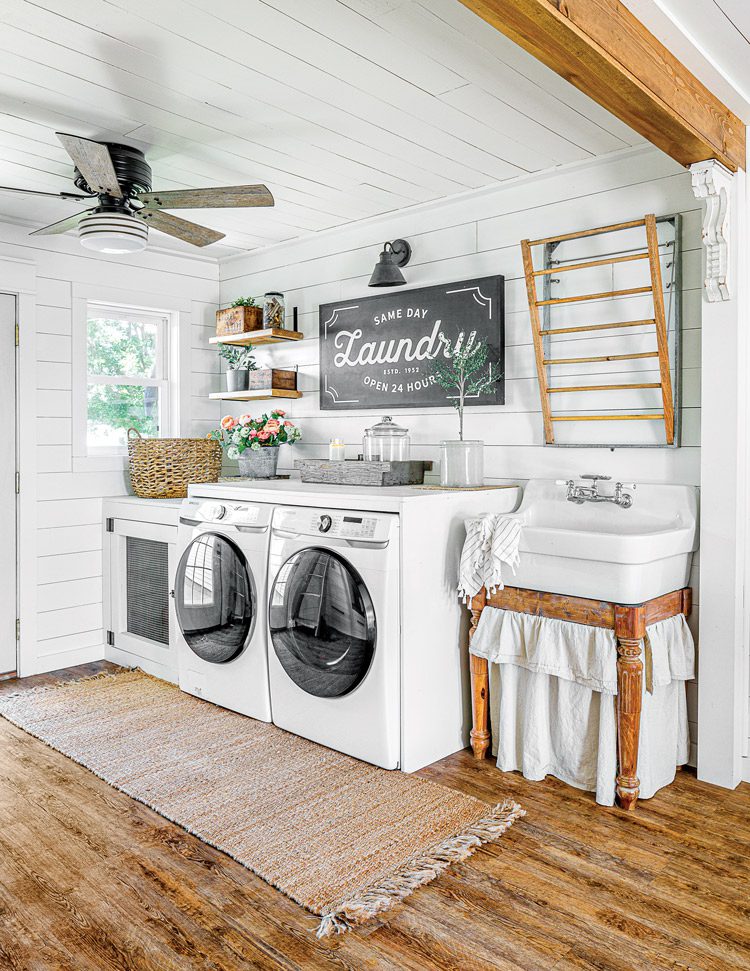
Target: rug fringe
[[418, 871]]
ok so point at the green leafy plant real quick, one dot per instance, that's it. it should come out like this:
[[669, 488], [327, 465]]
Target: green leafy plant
[[244, 302], [466, 369], [238, 358]]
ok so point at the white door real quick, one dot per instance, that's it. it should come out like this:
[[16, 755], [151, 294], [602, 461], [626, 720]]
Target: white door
[[8, 592]]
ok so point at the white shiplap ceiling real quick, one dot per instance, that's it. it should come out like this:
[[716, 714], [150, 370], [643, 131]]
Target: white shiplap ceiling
[[344, 108]]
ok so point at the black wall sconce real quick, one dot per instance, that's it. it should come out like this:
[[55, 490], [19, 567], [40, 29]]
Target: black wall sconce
[[387, 272]]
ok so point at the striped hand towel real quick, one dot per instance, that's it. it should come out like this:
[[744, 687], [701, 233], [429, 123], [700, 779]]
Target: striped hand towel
[[491, 540]]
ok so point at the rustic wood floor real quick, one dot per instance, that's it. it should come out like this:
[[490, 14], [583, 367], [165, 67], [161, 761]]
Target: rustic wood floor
[[91, 880]]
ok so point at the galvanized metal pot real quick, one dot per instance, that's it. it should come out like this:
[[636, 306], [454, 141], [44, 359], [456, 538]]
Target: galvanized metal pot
[[238, 379], [260, 463]]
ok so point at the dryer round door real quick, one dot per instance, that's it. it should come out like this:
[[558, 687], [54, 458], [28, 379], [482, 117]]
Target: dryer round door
[[215, 598], [322, 623]]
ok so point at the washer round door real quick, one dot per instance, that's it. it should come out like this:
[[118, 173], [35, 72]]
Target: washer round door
[[322, 623], [215, 598]]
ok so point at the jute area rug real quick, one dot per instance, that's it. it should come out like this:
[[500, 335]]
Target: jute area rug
[[342, 838]]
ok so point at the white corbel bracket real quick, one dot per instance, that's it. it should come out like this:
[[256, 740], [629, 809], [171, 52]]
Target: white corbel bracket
[[712, 182]]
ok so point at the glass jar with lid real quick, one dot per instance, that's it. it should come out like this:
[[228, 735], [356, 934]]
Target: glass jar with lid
[[273, 310], [386, 442]]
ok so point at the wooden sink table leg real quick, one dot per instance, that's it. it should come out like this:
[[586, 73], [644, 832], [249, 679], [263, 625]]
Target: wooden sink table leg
[[480, 689], [630, 628], [480, 686]]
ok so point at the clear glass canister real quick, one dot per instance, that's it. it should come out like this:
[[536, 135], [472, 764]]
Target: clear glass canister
[[273, 310], [386, 442]]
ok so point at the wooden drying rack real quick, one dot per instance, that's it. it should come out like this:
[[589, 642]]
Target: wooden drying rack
[[539, 333]]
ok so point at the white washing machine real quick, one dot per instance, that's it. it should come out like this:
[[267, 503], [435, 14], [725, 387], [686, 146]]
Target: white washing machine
[[220, 596], [367, 640], [334, 638]]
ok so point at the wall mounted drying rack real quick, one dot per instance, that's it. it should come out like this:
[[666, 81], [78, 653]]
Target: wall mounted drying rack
[[543, 333]]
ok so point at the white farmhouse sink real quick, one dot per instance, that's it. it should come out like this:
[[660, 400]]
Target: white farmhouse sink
[[602, 551]]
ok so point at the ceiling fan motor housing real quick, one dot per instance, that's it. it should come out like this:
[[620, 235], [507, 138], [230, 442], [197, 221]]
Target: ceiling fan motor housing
[[131, 168]]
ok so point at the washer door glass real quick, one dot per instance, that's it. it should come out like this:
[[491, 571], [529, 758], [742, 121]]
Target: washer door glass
[[322, 623], [214, 598]]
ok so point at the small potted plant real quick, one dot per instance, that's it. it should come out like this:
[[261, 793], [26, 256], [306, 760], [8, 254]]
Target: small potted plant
[[240, 362], [242, 316], [464, 369], [255, 442]]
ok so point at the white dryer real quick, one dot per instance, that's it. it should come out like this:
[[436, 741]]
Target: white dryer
[[220, 596], [334, 632], [368, 640]]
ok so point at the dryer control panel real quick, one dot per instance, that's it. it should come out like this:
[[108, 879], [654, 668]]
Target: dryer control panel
[[339, 523], [227, 513]]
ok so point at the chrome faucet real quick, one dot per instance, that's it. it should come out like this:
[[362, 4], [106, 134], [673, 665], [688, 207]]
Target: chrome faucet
[[580, 493]]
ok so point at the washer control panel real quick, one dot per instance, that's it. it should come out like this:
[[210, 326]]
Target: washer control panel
[[339, 523]]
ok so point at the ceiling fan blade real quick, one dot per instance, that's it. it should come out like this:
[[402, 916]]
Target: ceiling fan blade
[[93, 161], [70, 222], [181, 228], [49, 195], [223, 197]]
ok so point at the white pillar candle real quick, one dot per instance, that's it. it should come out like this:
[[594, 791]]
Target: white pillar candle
[[336, 450]]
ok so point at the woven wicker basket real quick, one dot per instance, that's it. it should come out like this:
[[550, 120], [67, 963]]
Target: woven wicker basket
[[162, 468]]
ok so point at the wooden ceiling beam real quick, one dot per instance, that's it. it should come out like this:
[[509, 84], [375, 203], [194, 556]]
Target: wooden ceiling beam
[[606, 52]]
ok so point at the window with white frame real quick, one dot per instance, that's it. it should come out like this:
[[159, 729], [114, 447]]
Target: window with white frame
[[126, 377]]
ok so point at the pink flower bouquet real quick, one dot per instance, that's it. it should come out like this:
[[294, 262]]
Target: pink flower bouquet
[[238, 434]]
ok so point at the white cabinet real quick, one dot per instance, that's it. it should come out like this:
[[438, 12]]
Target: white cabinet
[[140, 537]]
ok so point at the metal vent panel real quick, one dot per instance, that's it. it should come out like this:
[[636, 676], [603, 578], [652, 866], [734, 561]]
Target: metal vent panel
[[147, 571]]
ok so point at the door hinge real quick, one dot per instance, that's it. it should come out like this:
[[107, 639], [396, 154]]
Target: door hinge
[[18, 628], [110, 525], [18, 335], [18, 482], [111, 638]]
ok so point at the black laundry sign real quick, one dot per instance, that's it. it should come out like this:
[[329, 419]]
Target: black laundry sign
[[376, 352]]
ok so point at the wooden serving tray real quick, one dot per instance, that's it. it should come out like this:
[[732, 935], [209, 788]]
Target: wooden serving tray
[[360, 473]]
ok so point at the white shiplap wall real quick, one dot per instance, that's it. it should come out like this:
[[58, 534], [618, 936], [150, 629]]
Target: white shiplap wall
[[68, 511], [476, 235]]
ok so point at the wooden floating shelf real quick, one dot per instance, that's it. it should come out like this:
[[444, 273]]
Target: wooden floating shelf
[[262, 394], [272, 335]]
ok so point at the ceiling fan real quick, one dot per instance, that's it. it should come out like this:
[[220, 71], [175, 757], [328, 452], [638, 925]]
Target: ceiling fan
[[119, 177]]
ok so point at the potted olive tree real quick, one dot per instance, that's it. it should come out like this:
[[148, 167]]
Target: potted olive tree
[[240, 362], [465, 370]]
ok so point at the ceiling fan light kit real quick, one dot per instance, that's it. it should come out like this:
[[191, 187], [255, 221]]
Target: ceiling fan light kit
[[118, 177], [112, 232]]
